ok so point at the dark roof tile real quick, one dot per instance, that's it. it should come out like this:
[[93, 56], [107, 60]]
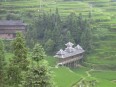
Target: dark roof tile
[[11, 22]]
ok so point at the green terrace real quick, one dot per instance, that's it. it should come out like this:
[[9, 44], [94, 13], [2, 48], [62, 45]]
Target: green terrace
[[104, 55]]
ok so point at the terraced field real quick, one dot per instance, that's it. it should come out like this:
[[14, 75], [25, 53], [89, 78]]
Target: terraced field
[[101, 63]]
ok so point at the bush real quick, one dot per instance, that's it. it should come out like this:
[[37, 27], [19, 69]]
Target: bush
[[2, 11], [12, 16], [7, 45]]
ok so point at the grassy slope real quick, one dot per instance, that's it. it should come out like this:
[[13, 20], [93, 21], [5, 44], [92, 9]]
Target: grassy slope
[[64, 77]]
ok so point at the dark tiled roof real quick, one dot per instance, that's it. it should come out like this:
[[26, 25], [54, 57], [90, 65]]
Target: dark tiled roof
[[11, 22]]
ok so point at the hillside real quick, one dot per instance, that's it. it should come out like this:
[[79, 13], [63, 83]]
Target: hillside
[[99, 65]]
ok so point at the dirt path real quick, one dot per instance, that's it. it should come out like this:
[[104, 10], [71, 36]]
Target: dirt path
[[80, 82], [114, 81]]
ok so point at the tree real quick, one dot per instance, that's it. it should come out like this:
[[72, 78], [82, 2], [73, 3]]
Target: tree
[[38, 53], [57, 16], [73, 27], [39, 74], [20, 52], [86, 37], [18, 65], [68, 37], [49, 46], [2, 64], [80, 21], [57, 37], [12, 16], [14, 76], [50, 26]]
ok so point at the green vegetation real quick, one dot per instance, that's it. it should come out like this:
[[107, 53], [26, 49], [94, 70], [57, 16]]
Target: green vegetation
[[39, 73], [18, 63], [99, 64], [65, 77], [108, 75], [2, 64], [21, 71]]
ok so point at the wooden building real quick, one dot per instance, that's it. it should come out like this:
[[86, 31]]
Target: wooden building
[[70, 57], [8, 28]]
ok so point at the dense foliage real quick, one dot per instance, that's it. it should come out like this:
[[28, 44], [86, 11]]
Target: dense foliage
[[39, 74], [2, 65], [23, 71], [53, 32], [20, 52], [18, 63]]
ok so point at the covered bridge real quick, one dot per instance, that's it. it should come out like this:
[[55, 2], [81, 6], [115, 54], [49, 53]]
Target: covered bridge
[[70, 57]]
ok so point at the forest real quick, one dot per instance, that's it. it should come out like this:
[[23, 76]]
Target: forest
[[53, 32], [28, 60]]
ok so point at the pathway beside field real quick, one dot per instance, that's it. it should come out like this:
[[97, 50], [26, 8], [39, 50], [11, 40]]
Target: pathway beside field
[[80, 83]]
